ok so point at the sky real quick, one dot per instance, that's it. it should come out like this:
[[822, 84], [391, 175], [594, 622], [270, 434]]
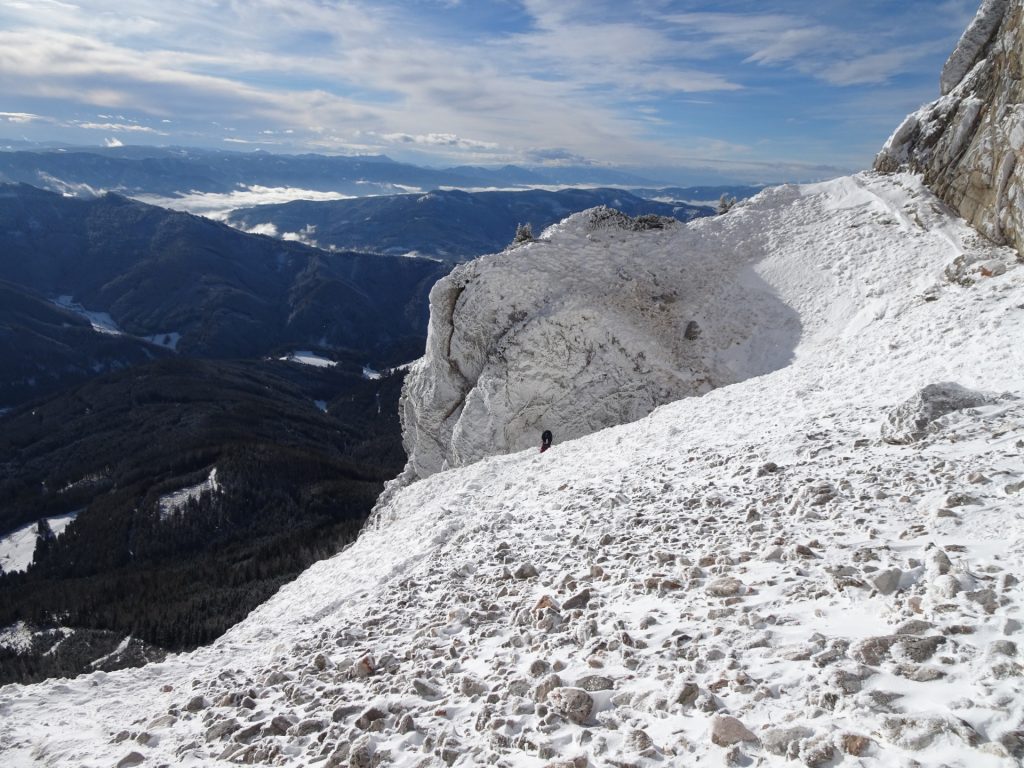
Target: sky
[[769, 89]]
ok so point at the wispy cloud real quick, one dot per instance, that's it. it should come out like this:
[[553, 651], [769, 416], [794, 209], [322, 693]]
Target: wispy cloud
[[19, 117], [488, 81]]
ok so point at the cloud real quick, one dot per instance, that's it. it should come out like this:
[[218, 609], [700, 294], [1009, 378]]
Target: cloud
[[117, 127], [216, 205], [19, 117], [438, 140], [484, 81]]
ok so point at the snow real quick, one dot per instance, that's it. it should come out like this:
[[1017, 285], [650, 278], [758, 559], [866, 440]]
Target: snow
[[730, 544], [18, 547], [121, 648], [17, 637], [306, 357], [321, 405], [167, 340], [100, 321], [172, 503], [370, 374]]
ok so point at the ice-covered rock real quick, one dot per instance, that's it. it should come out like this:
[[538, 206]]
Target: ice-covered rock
[[596, 323], [969, 144]]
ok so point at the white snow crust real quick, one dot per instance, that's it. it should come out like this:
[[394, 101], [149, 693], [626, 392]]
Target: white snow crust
[[757, 552]]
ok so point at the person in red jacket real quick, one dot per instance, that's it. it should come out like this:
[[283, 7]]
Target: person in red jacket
[[545, 440]]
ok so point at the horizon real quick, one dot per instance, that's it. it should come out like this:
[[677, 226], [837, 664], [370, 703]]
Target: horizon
[[736, 90]]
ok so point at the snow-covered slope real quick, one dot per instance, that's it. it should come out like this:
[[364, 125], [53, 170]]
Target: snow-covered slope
[[736, 579], [596, 323], [969, 144]]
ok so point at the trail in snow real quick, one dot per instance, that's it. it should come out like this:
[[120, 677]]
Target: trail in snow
[[757, 553]]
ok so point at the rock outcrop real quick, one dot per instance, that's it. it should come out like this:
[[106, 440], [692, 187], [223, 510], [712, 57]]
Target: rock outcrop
[[595, 324], [910, 421], [969, 144]]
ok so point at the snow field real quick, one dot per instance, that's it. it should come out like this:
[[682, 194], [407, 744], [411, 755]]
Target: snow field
[[757, 553]]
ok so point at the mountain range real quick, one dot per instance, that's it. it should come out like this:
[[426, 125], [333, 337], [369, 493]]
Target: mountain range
[[177, 170], [451, 225], [156, 276]]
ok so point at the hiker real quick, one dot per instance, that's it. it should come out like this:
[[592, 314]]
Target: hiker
[[545, 440]]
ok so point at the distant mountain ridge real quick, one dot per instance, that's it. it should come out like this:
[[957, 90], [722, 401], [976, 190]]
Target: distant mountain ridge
[[177, 170], [449, 224]]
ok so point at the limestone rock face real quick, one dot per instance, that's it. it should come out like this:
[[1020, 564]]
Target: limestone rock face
[[969, 144], [583, 329]]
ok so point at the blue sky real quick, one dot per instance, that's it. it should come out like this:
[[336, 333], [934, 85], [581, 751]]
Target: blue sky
[[769, 90]]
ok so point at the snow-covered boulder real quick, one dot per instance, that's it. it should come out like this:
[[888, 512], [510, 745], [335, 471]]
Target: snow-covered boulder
[[597, 323], [969, 144], [911, 420]]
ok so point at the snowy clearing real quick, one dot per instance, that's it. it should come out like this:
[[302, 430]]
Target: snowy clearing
[[306, 357], [172, 503], [167, 340], [100, 321], [17, 547]]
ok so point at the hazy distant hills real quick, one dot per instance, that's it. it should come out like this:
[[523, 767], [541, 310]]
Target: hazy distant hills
[[223, 292], [170, 171], [452, 225]]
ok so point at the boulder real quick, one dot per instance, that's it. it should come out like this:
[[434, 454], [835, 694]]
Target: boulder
[[913, 419], [727, 730], [574, 704]]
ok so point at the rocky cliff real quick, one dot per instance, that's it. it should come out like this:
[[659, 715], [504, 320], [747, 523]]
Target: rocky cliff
[[598, 322], [969, 144]]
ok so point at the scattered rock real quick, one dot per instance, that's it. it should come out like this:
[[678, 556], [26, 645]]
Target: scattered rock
[[131, 759], [525, 571], [593, 683], [573, 704], [887, 581], [196, 704], [545, 687], [639, 741], [784, 741], [727, 730], [311, 725], [579, 600], [725, 586], [917, 732], [364, 667], [854, 744]]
